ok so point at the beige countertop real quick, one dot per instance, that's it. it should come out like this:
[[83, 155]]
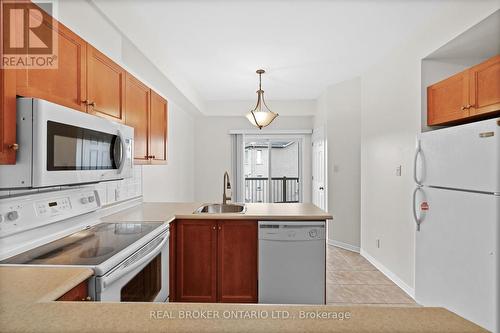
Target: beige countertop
[[166, 212], [27, 294]]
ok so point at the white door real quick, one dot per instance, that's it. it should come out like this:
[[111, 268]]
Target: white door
[[457, 253], [318, 173], [462, 157]]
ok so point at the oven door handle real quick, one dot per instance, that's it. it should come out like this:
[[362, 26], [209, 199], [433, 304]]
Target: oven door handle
[[120, 272]]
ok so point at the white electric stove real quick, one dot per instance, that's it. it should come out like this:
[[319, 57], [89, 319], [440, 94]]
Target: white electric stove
[[129, 259]]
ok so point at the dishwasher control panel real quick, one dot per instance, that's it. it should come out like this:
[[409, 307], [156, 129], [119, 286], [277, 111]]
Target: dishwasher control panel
[[292, 230]]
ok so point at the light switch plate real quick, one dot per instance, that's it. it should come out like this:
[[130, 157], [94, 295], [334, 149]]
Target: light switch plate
[[398, 171]]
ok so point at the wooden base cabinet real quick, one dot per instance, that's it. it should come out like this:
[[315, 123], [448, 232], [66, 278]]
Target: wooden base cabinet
[[196, 257], [214, 261], [78, 293], [471, 94], [237, 261]]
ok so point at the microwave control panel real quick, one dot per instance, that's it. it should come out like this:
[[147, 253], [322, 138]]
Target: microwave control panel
[[33, 211]]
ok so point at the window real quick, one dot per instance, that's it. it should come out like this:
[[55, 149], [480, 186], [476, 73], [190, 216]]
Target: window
[[271, 169]]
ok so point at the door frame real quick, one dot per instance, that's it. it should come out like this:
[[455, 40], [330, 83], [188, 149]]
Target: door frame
[[319, 134]]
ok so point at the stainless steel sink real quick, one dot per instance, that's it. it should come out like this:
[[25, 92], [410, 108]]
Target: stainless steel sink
[[221, 209]]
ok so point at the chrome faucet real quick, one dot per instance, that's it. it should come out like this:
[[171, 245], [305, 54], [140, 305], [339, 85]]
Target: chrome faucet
[[226, 186]]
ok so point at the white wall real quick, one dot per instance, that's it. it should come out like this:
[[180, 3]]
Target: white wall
[[390, 120], [339, 112], [213, 152], [173, 181]]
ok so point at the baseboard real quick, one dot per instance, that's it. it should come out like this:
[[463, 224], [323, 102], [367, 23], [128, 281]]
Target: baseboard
[[393, 277], [343, 245]]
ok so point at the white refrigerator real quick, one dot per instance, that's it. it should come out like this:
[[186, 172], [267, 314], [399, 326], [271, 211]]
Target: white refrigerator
[[457, 212]]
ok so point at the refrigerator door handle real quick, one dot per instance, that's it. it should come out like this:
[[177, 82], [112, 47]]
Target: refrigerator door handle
[[417, 219], [415, 160]]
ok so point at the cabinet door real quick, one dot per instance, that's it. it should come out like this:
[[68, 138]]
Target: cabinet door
[[8, 146], [105, 86], [485, 87], [447, 100], [137, 105], [237, 261], [158, 128], [196, 261], [7, 112], [65, 85], [78, 293]]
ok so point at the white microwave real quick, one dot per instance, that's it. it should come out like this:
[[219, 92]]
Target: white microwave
[[62, 146]]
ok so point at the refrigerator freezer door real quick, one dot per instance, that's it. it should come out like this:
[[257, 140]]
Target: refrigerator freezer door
[[461, 157], [457, 253]]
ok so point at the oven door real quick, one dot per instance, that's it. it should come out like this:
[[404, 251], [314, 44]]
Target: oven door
[[72, 147], [143, 277]]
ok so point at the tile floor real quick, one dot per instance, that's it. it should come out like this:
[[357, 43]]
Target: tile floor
[[352, 280]]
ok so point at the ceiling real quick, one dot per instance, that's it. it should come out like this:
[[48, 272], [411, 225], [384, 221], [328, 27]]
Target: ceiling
[[215, 46]]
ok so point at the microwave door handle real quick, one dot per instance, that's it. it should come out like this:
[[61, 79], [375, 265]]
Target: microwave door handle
[[123, 152], [110, 279]]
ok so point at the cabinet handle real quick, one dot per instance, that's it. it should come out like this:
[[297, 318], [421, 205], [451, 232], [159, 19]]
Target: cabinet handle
[[87, 299], [213, 227], [14, 146], [220, 228], [89, 103], [463, 108]]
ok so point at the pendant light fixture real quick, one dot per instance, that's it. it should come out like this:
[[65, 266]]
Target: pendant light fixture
[[261, 115]]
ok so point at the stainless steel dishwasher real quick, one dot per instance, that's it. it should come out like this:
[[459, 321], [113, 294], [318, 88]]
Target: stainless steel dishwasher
[[292, 262]]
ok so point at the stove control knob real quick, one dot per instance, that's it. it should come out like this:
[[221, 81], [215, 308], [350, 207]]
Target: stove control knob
[[12, 216], [313, 233], [91, 198], [84, 200]]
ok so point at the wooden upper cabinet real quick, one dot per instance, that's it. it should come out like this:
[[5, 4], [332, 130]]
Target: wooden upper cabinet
[[196, 261], [447, 100], [137, 105], [105, 86], [237, 261], [65, 85], [485, 87], [158, 128], [8, 142], [8, 139], [473, 93]]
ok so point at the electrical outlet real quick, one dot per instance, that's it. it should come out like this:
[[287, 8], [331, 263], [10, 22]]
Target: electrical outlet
[[398, 171], [378, 243]]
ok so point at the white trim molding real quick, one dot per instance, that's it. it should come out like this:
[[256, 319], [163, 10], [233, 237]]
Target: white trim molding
[[343, 245], [393, 277]]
